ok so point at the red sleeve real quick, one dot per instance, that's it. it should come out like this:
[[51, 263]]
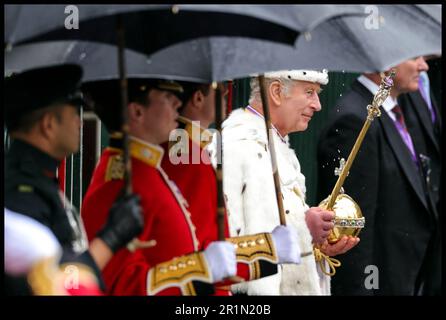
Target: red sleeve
[[132, 278]]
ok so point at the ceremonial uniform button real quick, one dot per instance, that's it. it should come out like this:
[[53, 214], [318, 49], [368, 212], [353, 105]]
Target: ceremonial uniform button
[[181, 265], [243, 244], [146, 153], [260, 241], [163, 269], [190, 262], [252, 243], [173, 267]]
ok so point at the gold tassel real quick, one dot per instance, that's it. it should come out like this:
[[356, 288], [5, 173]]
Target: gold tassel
[[332, 262]]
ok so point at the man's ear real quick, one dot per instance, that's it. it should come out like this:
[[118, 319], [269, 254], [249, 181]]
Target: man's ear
[[197, 100], [46, 124], [134, 111], [275, 91]]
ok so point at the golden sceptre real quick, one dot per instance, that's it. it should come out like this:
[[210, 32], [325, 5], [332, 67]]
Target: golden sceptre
[[348, 216]]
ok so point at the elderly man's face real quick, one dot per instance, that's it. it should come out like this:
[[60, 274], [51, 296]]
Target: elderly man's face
[[299, 105], [408, 74]]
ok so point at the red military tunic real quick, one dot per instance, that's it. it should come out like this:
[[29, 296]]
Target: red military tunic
[[165, 219], [195, 177]]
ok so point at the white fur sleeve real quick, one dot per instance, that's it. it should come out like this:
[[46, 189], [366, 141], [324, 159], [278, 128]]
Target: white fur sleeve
[[249, 188], [233, 182]]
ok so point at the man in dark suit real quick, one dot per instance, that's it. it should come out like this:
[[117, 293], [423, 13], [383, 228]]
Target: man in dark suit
[[423, 120], [388, 183]]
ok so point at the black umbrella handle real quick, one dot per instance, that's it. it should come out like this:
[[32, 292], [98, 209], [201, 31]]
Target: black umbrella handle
[[219, 171], [272, 150], [124, 101]]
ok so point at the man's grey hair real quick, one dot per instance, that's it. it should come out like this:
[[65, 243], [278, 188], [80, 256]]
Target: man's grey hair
[[287, 84]]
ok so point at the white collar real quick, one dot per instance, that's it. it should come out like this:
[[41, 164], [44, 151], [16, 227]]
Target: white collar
[[254, 111], [388, 104]]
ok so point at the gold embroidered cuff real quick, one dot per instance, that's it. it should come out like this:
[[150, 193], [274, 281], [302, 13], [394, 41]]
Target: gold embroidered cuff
[[255, 247], [179, 272], [48, 278]]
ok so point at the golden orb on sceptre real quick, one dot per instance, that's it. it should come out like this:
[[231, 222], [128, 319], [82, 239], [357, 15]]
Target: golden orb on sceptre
[[348, 219]]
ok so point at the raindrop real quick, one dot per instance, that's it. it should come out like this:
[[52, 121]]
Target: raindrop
[[148, 61], [307, 35], [323, 166], [337, 130], [340, 95], [343, 71], [82, 56], [339, 151]]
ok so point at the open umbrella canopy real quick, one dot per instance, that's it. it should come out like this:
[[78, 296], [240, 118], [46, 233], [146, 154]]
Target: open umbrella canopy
[[200, 60], [432, 10], [395, 34], [342, 43], [149, 28]]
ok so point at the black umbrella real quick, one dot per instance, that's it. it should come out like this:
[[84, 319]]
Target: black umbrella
[[340, 44], [149, 28], [398, 33], [432, 10]]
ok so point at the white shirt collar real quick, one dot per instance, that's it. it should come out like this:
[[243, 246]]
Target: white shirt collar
[[388, 104]]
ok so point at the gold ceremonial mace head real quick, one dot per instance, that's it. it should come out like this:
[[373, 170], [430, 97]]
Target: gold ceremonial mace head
[[348, 215]]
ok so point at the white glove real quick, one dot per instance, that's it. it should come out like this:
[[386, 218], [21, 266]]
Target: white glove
[[26, 242], [220, 256], [287, 244]]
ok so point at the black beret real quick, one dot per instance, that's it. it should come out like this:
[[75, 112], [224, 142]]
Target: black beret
[[39, 88], [105, 96]]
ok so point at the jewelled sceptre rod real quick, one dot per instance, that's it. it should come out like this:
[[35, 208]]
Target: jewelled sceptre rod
[[372, 112]]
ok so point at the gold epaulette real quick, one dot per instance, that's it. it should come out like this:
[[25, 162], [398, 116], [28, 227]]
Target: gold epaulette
[[179, 272], [148, 153], [115, 168], [198, 134], [255, 247]]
